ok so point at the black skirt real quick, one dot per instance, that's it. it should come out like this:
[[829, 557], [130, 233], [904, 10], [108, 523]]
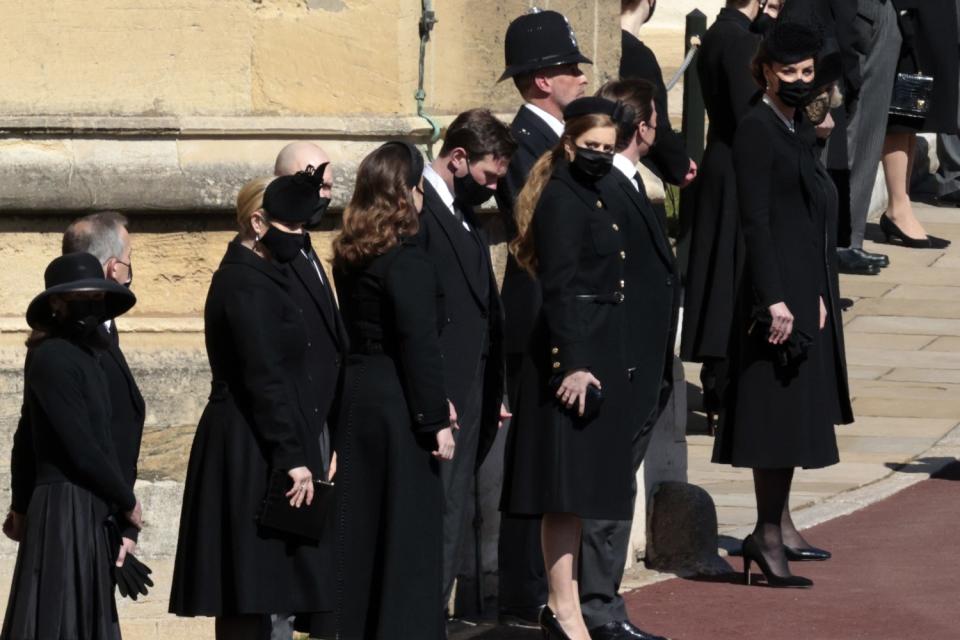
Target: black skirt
[[62, 587]]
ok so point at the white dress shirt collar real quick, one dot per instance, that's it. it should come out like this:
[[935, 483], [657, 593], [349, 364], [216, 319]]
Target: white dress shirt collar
[[551, 120], [627, 168], [431, 176]]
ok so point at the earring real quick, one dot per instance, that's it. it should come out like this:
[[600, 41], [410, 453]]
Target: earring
[[258, 238]]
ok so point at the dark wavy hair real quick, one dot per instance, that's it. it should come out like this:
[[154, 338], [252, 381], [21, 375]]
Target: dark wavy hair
[[381, 211]]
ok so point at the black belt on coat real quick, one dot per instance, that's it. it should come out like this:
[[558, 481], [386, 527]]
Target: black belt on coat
[[601, 298]]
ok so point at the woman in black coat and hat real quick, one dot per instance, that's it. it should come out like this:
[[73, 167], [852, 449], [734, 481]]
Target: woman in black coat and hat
[[396, 424], [716, 249], [261, 419], [570, 453], [788, 383], [62, 584]]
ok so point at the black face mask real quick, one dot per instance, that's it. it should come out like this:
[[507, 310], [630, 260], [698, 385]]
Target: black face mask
[[130, 279], [762, 24], [283, 245], [794, 94], [84, 317], [318, 213], [653, 7], [469, 191], [592, 164]]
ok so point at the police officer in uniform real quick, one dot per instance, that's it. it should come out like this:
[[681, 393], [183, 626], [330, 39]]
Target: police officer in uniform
[[543, 58]]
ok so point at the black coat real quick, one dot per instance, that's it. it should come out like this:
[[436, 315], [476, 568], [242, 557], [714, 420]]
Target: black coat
[[127, 411], [668, 158], [390, 503], [520, 293], [275, 375], [68, 412], [715, 260], [62, 583], [930, 45], [555, 462], [783, 416], [474, 327], [651, 296]]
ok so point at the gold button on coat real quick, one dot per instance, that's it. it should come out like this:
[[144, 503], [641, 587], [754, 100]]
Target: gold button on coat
[[615, 226], [556, 365], [554, 351]]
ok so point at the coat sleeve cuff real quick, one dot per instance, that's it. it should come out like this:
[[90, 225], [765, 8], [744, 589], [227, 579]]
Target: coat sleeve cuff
[[569, 356], [288, 459], [431, 421]]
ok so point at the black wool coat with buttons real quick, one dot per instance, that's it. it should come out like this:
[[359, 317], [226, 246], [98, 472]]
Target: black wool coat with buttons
[[556, 462], [267, 347]]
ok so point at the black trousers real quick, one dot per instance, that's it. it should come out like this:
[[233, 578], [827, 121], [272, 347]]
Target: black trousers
[[458, 476], [603, 555], [603, 550]]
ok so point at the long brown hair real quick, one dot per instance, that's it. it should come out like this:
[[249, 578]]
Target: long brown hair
[[381, 211], [522, 247]]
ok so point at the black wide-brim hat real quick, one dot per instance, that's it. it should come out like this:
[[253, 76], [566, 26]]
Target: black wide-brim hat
[[77, 273], [539, 40], [295, 198]]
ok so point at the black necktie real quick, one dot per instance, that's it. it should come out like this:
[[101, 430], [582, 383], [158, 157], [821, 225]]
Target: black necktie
[[639, 182]]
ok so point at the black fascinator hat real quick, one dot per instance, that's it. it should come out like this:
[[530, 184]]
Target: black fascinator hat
[[792, 41], [590, 105], [77, 273], [294, 198], [412, 178]]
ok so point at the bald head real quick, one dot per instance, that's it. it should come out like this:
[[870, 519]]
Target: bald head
[[299, 155]]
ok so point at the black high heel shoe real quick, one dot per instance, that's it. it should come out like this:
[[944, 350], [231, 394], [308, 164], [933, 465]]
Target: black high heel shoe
[[550, 627], [891, 231], [808, 553], [752, 553]]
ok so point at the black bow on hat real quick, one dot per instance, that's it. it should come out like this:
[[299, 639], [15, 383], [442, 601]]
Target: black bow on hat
[[294, 198], [77, 273]]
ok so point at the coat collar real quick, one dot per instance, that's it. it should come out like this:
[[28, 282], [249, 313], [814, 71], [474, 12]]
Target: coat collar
[[456, 234], [732, 15], [237, 254], [531, 131], [586, 191], [616, 180]]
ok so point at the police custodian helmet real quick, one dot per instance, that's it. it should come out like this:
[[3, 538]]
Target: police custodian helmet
[[537, 40]]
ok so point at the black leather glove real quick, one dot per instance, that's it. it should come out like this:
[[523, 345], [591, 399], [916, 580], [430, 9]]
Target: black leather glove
[[132, 578]]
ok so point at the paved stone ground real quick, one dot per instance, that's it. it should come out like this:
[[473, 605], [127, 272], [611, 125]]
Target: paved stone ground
[[903, 350]]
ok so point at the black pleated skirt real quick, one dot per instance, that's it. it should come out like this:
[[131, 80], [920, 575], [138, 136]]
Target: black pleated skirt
[[62, 588]]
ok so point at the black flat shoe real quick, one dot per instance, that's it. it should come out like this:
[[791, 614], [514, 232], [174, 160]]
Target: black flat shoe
[[752, 553], [879, 259], [550, 627], [526, 618], [810, 553], [894, 235], [855, 262]]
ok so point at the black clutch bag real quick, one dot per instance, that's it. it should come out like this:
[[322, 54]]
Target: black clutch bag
[[911, 95], [591, 406], [792, 351], [307, 522]]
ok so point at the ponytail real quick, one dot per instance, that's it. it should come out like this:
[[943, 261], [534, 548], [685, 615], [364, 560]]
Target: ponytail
[[522, 247]]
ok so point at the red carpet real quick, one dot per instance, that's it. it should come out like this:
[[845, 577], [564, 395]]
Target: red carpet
[[895, 573]]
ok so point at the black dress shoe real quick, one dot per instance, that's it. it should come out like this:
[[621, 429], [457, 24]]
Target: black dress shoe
[[621, 630], [550, 626], [810, 553], [852, 261], [522, 618], [880, 259], [951, 199]]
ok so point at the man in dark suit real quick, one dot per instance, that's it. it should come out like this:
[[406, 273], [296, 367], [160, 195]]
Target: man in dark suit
[[669, 159], [652, 299], [474, 158], [105, 236], [543, 58], [332, 339]]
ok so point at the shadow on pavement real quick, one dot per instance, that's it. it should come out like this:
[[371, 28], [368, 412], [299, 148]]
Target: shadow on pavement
[[936, 467]]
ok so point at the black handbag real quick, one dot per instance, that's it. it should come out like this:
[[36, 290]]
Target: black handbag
[[791, 351], [591, 404], [911, 91], [911, 95], [307, 522]]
